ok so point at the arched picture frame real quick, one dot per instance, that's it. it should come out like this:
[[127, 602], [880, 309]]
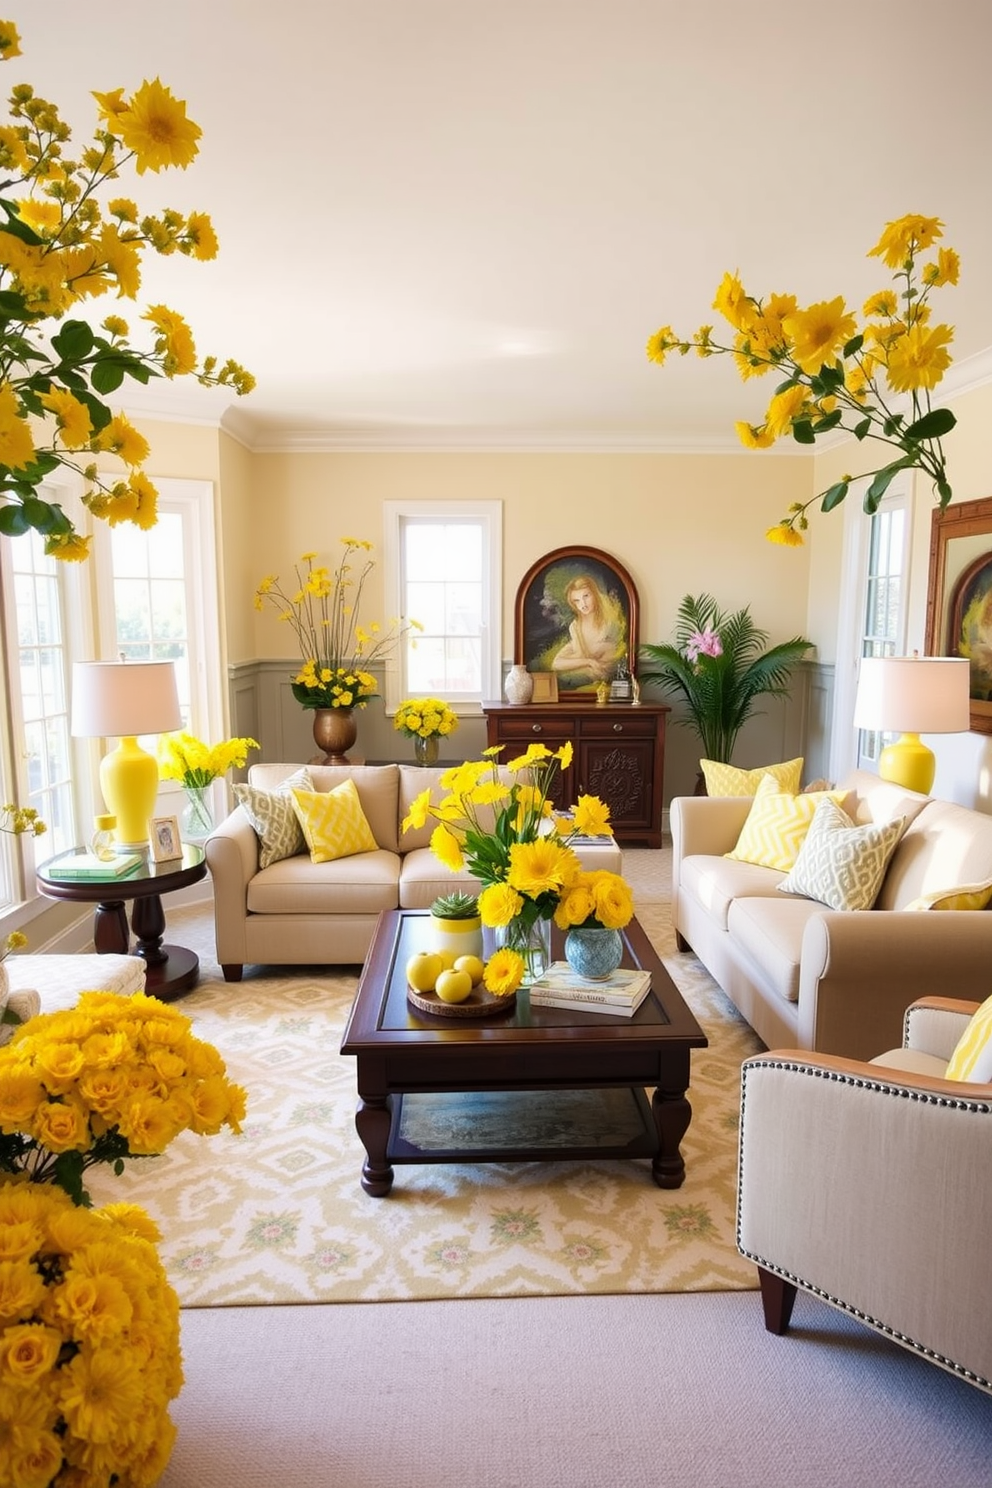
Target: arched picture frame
[[959, 590], [577, 618]]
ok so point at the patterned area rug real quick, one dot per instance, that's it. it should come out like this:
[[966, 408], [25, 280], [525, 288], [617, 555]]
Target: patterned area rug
[[277, 1215]]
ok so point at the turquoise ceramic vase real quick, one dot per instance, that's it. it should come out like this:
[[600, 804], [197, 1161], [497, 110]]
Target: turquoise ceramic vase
[[592, 952]]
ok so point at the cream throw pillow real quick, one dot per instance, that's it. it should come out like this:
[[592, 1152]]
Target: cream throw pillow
[[972, 1059], [840, 864], [727, 780], [967, 896], [777, 825], [333, 822], [273, 818]]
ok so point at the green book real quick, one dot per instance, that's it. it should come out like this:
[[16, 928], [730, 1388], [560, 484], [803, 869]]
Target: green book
[[88, 865]]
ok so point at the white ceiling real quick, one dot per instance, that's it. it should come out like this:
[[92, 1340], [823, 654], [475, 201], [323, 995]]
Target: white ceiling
[[454, 223]]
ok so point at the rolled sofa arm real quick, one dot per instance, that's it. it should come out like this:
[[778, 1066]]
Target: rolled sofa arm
[[862, 969], [232, 857], [935, 1024], [860, 1185]]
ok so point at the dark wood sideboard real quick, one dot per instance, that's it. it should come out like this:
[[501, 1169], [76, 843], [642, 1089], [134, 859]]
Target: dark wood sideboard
[[619, 755]]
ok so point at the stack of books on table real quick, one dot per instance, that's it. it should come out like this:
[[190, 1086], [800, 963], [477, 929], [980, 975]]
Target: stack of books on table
[[88, 865], [620, 994]]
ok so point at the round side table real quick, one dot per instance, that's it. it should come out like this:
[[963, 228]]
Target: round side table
[[169, 970]]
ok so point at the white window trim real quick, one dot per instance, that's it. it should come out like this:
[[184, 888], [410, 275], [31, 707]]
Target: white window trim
[[490, 515], [850, 618]]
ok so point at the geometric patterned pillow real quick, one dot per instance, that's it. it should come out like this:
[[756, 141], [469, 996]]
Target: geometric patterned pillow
[[727, 780], [840, 864], [777, 825], [972, 1059], [273, 818], [966, 896], [333, 822]]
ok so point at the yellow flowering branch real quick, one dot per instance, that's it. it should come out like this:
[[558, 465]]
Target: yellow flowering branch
[[195, 764], [58, 247], [838, 376]]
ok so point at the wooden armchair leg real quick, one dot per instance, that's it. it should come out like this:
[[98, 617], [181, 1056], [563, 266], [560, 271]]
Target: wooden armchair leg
[[777, 1298], [232, 971]]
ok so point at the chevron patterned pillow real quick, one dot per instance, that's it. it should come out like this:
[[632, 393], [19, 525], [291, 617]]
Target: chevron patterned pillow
[[840, 864], [333, 822], [728, 780], [972, 1058], [777, 825]]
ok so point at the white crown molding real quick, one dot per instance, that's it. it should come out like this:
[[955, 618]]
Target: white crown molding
[[169, 403]]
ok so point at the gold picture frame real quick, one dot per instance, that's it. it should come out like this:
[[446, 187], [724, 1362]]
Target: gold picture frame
[[959, 584]]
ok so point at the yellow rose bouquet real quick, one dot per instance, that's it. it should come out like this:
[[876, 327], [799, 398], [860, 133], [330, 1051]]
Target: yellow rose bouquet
[[506, 832], [837, 375], [598, 900], [424, 718]]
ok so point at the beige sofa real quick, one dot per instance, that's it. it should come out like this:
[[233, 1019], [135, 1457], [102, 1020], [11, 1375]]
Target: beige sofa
[[807, 977], [296, 912]]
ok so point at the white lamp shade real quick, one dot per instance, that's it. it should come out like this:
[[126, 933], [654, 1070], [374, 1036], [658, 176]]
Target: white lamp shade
[[112, 699], [914, 694]]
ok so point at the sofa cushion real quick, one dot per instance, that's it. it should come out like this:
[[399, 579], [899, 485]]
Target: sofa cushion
[[364, 884], [770, 933], [333, 822], [424, 878], [944, 846], [840, 864], [875, 800], [270, 811], [777, 824], [972, 1057], [717, 882], [728, 780]]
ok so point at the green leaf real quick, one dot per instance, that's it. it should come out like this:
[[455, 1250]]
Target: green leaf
[[860, 430], [106, 376], [69, 1169], [74, 341], [892, 425], [17, 228], [828, 421], [944, 492], [881, 483], [855, 344], [834, 496], [933, 425], [790, 382], [13, 522], [802, 432], [39, 514]]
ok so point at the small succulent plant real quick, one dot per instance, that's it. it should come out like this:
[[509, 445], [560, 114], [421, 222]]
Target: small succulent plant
[[455, 907]]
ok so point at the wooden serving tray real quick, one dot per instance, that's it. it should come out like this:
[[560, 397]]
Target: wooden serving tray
[[478, 1004]]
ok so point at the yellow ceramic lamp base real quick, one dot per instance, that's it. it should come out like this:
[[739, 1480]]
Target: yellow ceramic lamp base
[[129, 781], [909, 763]]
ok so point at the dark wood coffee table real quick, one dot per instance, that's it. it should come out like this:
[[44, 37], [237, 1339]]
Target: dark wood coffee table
[[404, 1053]]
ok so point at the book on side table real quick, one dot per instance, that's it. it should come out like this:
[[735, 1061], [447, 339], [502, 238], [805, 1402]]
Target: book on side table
[[88, 865], [620, 994]]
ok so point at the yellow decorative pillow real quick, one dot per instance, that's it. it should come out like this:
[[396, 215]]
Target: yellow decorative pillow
[[972, 1059], [727, 780], [968, 896], [777, 825], [333, 822]]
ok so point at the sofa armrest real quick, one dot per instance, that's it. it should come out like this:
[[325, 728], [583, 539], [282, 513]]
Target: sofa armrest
[[232, 857], [869, 1198], [933, 1025], [861, 970]]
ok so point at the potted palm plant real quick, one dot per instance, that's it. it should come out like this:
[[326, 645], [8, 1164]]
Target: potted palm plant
[[719, 666]]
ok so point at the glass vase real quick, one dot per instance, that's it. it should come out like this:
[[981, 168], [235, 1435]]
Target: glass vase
[[198, 821], [592, 952], [531, 939], [426, 751]]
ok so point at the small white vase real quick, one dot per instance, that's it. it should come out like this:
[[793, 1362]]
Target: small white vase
[[519, 685]]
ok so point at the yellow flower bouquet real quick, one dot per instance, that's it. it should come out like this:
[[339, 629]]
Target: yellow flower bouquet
[[89, 1325], [835, 375], [509, 837], [323, 613], [425, 718], [195, 764], [60, 247]]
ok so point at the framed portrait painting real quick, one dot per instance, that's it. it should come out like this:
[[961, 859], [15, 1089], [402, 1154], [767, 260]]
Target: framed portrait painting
[[163, 839], [577, 618], [959, 597]]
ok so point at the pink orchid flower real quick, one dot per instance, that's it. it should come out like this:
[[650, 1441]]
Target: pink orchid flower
[[703, 643]]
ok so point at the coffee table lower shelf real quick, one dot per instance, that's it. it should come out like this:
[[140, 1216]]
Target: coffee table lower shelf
[[521, 1126]]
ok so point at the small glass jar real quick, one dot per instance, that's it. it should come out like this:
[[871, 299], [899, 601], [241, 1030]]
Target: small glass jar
[[102, 841]]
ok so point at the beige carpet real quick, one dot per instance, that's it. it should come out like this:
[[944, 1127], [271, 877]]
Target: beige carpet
[[278, 1215]]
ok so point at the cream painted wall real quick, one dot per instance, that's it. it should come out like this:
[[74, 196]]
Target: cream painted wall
[[236, 549], [678, 523]]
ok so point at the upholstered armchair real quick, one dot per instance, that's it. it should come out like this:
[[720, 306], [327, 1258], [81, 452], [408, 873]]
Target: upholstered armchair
[[868, 1185]]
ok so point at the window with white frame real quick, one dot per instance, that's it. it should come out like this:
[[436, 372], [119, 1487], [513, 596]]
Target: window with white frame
[[443, 568], [884, 627]]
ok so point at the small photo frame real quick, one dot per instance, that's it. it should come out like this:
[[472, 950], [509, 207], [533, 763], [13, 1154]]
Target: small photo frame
[[164, 841], [545, 687]]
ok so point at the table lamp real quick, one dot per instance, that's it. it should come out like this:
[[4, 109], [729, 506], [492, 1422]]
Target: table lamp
[[912, 695], [121, 699]]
